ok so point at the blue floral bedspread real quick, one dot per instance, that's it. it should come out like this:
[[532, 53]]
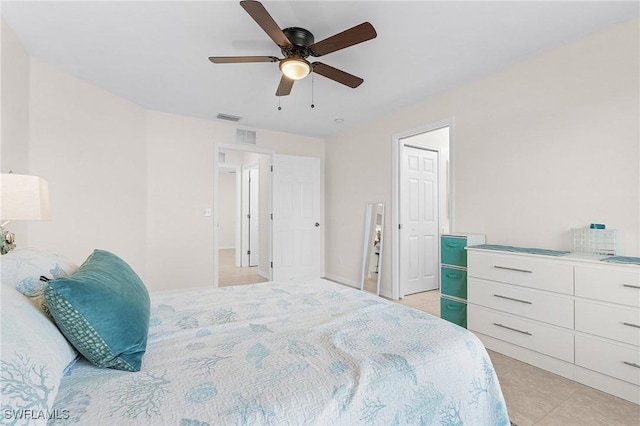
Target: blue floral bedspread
[[305, 353]]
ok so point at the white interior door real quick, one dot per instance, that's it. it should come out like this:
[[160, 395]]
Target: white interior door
[[244, 218], [250, 216], [419, 221], [254, 217], [296, 218]]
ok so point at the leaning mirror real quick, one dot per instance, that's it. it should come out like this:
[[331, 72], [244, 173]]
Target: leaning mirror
[[372, 248]]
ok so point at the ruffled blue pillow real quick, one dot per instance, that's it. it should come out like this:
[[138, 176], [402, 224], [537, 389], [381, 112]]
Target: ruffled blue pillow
[[103, 310]]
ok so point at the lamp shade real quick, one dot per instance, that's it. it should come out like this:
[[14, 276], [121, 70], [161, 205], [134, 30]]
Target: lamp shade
[[24, 197], [295, 68]]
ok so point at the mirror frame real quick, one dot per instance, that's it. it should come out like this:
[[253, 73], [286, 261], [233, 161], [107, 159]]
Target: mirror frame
[[369, 221]]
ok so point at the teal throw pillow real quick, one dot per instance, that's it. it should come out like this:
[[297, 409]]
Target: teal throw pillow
[[103, 309]]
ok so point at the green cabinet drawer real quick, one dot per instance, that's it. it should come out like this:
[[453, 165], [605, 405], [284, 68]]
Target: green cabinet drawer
[[452, 251], [453, 311], [453, 282]]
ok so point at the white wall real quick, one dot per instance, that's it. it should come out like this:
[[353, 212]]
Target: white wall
[[180, 185], [14, 117], [540, 147], [90, 146]]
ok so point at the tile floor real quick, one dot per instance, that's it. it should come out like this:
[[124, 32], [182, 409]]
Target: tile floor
[[537, 397]]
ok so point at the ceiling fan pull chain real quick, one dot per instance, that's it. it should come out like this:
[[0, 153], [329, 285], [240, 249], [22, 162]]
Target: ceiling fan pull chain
[[312, 105], [279, 107]]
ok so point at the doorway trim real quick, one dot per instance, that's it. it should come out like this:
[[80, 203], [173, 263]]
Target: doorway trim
[[397, 145], [216, 213]]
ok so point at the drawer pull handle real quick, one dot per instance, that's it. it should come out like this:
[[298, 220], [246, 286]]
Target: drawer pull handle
[[512, 269], [511, 298], [631, 286], [631, 325], [513, 329], [633, 364]]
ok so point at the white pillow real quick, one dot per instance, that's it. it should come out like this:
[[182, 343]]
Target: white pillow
[[22, 269], [33, 360]]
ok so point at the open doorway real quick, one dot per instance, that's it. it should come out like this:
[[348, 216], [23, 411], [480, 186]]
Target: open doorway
[[244, 237], [422, 205]]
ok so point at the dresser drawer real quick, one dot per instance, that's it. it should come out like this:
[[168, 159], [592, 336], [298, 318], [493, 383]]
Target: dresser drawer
[[522, 332], [611, 322], [521, 270], [452, 251], [546, 307], [453, 282], [608, 358], [610, 284], [453, 311]]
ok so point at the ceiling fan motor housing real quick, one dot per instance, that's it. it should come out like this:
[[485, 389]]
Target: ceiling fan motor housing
[[300, 40]]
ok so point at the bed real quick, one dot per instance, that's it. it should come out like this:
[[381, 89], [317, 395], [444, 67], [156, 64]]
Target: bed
[[312, 352]]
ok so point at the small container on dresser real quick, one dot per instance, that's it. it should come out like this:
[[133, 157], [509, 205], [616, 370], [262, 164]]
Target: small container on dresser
[[453, 275]]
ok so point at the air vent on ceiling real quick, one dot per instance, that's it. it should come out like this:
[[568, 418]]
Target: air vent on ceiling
[[228, 117], [246, 136]]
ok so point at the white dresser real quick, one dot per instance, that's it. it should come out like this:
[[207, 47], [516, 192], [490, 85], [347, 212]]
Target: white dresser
[[574, 316]]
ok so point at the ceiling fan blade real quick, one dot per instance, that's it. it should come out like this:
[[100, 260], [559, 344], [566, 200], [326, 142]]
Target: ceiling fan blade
[[284, 88], [241, 59], [350, 37], [337, 75], [259, 14]]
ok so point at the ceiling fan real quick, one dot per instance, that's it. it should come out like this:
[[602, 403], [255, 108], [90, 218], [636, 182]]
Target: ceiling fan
[[297, 44]]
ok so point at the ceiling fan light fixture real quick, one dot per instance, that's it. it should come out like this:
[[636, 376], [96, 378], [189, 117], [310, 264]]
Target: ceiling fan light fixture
[[295, 68]]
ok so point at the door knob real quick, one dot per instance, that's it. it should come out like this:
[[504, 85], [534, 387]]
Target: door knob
[[317, 224]]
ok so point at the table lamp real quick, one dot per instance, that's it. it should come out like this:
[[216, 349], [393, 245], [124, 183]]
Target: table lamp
[[22, 197]]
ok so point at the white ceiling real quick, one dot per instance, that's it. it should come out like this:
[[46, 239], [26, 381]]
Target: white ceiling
[[154, 53]]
